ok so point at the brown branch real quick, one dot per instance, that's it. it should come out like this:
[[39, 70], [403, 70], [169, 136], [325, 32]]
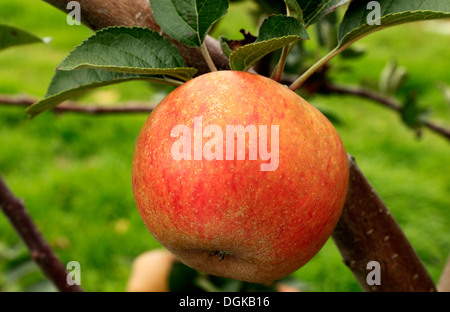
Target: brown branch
[[104, 13], [74, 107], [381, 99], [39, 249], [444, 281], [368, 232]]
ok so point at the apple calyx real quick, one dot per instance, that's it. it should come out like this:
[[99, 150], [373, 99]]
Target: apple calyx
[[221, 254]]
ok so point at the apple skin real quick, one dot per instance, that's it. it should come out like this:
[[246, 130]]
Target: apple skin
[[267, 224]]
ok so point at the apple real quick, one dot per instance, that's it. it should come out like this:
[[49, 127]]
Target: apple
[[239, 177], [150, 272]]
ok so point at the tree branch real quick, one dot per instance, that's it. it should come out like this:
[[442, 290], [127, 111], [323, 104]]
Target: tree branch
[[74, 107], [381, 99], [368, 232], [39, 249], [104, 13]]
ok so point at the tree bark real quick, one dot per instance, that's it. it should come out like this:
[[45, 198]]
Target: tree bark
[[98, 14], [368, 232], [39, 249]]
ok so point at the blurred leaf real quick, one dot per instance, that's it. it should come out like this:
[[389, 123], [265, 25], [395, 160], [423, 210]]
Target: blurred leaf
[[232, 285], [182, 278], [188, 21], [41, 286], [12, 36], [330, 115], [276, 32], [133, 50], [353, 52], [327, 31], [392, 78], [17, 272], [9, 253], [446, 91], [412, 115]]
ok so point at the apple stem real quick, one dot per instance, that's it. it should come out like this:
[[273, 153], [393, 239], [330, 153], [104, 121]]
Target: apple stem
[[297, 83], [278, 72], [208, 58]]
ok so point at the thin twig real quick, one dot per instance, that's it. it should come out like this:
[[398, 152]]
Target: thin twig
[[74, 107], [208, 58], [39, 249], [381, 99]]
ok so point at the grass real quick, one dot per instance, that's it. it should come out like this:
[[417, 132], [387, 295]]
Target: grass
[[74, 171]]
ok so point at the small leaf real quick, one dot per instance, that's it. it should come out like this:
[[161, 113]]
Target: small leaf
[[276, 32], [327, 30], [246, 56], [133, 50], [188, 21], [355, 24], [412, 115], [67, 84], [226, 49], [445, 91], [314, 10], [12, 36], [392, 78], [278, 26]]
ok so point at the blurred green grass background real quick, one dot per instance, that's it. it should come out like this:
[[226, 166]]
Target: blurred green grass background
[[73, 171]]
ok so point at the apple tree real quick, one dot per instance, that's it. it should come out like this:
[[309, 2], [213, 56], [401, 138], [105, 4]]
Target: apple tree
[[169, 42]]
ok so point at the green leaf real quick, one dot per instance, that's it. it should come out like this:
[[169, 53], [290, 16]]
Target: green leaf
[[12, 36], [314, 10], [392, 78], [293, 9], [276, 32], [412, 114], [355, 24], [132, 50], [188, 21], [67, 84], [225, 46], [278, 26]]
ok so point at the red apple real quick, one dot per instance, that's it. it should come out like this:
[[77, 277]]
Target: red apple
[[252, 206]]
